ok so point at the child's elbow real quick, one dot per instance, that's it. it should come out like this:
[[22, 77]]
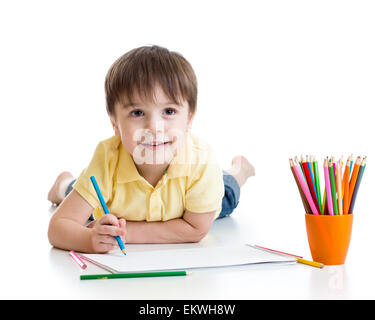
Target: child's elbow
[[50, 234], [199, 235]]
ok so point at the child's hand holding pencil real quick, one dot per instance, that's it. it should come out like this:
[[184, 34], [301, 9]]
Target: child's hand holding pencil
[[98, 236], [104, 232]]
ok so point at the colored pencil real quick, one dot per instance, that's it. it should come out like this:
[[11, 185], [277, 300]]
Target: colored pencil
[[299, 258], [298, 162], [333, 187], [353, 178], [341, 183], [288, 254], [310, 184], [305, 189], [304, 200], [311, 172], [351, 165], [334, 167], [77, 259], [339, 187], [358, 182], [328, 187], [106, 211], [133, 275], [310, 263], [300, 168], [346, 187], [311, 162], [346, 176], [325, 207], [317, 183]]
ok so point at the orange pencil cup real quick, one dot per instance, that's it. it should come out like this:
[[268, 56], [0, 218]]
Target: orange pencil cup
[[329, 237]]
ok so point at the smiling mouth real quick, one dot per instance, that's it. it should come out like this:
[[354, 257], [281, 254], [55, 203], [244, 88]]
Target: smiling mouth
[[155, 145]]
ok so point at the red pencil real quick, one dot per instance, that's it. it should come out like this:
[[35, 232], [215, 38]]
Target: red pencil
[[288, 254]]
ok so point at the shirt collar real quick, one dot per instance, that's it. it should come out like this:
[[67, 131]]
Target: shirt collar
[[127, 171]]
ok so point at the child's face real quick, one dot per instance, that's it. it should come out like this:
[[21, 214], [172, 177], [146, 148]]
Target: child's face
[[152, 131]]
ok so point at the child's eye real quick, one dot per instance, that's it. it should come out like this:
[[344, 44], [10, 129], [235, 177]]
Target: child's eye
[[170, 111], [136, 113]]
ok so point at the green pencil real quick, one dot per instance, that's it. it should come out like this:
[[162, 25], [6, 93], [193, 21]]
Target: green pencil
[[333, 187], [133, 275], [317, 182]]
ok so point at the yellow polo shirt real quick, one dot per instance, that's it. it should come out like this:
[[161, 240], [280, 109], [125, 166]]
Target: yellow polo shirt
[[193, 181]]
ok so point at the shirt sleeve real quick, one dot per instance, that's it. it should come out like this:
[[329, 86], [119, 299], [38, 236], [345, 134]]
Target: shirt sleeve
[[206, 190], [102, 167]]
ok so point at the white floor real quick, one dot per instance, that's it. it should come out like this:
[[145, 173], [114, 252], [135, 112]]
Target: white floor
[[32, 269]]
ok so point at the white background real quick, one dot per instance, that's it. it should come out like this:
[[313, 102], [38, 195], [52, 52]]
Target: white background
[[276, 79]]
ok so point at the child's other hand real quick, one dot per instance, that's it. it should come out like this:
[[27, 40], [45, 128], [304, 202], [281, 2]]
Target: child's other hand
[[104, 231]]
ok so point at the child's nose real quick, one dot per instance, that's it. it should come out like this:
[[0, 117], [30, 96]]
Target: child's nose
[[155, 124]]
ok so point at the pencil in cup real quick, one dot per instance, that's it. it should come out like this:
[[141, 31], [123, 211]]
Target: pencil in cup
[[304, 200], [358, 182], [328, 187], [333, 186], [340, 190], [345, 187], [353, 179], [310, 184], [106, 211], [339, 186], [317, 182], [304, 188]]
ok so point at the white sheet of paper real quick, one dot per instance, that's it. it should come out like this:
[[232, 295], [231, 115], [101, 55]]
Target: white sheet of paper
[[177, 259]]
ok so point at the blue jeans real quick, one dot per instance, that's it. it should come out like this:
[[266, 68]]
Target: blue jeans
[[230, 199], [231, 195]]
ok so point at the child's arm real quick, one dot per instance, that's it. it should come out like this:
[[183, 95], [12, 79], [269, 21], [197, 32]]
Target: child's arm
[[67, 230], [192, 227]]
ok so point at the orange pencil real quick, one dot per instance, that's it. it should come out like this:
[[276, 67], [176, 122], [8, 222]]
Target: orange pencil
[[346, 176], [353, 179], [346, 187]]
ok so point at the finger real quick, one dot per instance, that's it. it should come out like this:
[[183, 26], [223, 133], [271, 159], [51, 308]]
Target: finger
[[110, 230], [107, 240], [109, 219], [122, 223]]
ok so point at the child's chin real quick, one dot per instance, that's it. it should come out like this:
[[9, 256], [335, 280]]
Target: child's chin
[[158, 156]]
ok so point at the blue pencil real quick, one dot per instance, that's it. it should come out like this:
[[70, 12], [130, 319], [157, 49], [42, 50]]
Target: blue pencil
[[106, 211], [351, 166]]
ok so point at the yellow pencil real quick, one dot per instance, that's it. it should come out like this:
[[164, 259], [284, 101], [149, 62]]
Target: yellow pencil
[[310, 263]]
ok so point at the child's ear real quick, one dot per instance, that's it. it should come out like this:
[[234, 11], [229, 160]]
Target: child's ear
[[115, 126]]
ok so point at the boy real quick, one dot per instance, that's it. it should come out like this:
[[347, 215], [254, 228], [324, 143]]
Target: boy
[[161, 184]]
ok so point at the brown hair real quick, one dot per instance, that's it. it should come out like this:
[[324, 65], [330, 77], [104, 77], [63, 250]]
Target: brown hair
[[139, 70]]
